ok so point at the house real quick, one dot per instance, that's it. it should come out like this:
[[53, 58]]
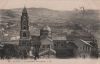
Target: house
[[79, 37], [84, 48]]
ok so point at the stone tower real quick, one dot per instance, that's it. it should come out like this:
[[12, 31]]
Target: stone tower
[[24, 29]]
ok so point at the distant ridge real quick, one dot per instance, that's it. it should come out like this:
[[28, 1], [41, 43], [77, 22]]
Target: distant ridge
[[67, 20]]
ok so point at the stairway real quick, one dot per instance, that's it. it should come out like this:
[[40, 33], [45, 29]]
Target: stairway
[[44, 52]]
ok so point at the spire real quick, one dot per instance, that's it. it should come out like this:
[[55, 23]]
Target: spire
[[24, 10]]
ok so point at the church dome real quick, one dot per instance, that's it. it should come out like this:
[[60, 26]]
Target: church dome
[[46, 28]]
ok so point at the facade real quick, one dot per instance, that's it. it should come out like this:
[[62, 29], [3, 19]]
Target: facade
[[60, 46], [72, 50], [64, 49]]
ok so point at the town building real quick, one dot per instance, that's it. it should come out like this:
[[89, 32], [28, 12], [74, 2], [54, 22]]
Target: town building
[[86, 43], [84, 48], [64, 49], [60, 45]]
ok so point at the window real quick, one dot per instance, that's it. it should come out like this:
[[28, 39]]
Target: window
[[24, 43], [24, 27], [83, 47], [54, 44], [62, 45], [24, 34], [43, 46]]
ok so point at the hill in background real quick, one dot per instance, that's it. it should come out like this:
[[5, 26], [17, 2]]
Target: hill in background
[[61, 22]]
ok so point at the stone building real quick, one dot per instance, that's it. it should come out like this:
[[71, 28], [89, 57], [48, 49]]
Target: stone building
[[64, 49], [84, 48], [60, 46], [35, 45], [85, 42]]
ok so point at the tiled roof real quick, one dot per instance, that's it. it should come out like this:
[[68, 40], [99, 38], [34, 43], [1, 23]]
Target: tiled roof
[[59, 38], [11, 42], [86, 42]]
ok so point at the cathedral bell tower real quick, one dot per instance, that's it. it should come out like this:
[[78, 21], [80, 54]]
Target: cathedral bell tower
[[24, 29]]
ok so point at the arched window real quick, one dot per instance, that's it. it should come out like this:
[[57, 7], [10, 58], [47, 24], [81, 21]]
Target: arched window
[[24, 27]]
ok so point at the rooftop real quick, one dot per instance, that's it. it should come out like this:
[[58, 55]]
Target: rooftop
[[86, 42], [59, 38]]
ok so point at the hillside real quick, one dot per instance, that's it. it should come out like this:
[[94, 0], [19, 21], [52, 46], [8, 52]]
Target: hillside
[[61, 22]]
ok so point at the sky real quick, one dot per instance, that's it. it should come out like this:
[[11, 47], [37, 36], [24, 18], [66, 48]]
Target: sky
[[51, 4]]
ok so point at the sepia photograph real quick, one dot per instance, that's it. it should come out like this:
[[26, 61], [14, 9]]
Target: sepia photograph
[[50, 31]]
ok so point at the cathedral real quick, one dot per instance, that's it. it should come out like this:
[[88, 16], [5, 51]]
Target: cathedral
[[37, 45], [45, 45]]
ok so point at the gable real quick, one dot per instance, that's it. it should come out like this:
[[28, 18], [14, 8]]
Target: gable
[[80, 43]]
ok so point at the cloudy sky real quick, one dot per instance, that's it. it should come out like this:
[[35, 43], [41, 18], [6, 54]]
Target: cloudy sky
[[51, 4]]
